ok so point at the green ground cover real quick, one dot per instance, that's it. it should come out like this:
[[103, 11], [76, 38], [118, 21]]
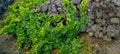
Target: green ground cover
[[34, 30]]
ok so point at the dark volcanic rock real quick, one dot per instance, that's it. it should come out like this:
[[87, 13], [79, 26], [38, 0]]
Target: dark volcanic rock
[[54, 7], [76, 2], [106, 17], [9, 1], [3, 6], [43, 8]]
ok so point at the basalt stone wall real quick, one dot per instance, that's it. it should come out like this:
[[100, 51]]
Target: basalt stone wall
[[54, 7], [3, 6], [103, 19]]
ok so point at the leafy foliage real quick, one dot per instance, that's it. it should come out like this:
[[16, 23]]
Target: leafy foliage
[[35, 28]]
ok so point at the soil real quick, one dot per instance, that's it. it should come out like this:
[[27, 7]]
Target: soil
[[114, 47], [98, 46]]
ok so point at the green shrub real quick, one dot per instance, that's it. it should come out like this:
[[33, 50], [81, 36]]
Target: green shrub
[[36, 28]]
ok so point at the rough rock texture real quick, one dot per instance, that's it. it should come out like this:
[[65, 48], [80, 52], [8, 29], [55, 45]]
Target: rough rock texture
[[3, 6], [117, 2], [8, 44], [103, 19], [54, 7]]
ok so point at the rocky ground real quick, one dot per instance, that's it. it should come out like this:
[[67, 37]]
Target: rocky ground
[[93, 45]]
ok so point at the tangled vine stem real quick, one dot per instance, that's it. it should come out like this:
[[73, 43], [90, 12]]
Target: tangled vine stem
[[77, 3]]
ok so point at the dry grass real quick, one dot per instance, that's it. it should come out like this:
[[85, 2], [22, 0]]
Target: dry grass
[[88, 44], [87, 47]]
